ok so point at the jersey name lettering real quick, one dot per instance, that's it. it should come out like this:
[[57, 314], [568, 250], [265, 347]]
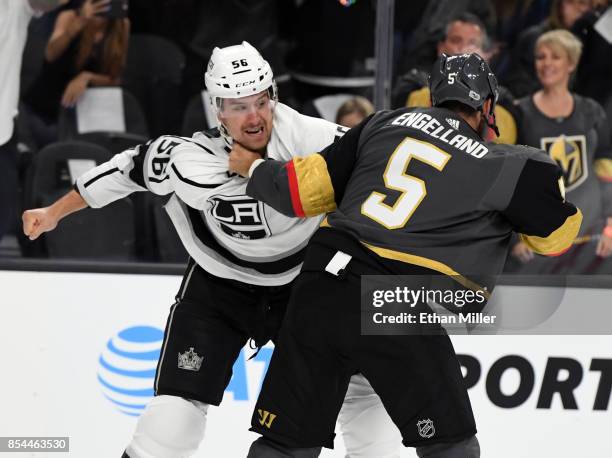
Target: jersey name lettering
[[432, 127]]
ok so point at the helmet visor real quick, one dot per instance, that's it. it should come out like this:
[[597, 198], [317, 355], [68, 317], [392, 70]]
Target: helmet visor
[[261, 103]]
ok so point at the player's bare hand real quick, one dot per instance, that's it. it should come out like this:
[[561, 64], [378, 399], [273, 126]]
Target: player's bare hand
[[522, 252], [241, 159], [604, 247], [37, 221]]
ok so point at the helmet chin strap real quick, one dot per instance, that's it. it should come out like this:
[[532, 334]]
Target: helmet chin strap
[[225, 133], [489, 121], [492, 123]]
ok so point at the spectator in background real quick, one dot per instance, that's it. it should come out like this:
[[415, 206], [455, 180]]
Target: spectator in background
[[521, 78], [574, 131], [15, 16], [420, 52], [464, 33], [353, 111], [88, 47], [594, 73], [514, 16]]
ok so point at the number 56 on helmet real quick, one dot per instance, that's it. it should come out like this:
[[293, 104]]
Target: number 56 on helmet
[[238, 71]]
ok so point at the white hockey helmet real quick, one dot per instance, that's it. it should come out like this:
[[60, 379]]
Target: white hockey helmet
[[238, 71]]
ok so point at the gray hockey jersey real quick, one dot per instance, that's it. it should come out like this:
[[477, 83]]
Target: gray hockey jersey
[[420, 186]]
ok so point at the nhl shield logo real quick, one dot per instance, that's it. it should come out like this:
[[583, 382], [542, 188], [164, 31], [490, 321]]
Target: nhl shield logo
[[426, 428], [569, 152]]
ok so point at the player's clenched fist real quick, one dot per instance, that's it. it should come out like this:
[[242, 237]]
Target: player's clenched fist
[[40, 220], [37, 221]]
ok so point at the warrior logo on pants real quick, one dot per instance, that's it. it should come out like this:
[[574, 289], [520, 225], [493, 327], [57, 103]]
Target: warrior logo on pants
[[265, 418]]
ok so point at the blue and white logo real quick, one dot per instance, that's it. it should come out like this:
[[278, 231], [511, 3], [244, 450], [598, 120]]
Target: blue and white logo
[[127, 368]]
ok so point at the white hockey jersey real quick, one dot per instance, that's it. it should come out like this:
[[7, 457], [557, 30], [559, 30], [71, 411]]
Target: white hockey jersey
[[226, 232]]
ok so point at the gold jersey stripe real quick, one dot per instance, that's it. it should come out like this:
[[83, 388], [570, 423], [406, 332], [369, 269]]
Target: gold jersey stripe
[[559, 240], [420, 261], [427, 263], [314, 184], [603, 169]]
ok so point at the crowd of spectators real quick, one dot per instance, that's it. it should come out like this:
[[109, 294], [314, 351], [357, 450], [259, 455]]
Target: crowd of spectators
[[547, 55]]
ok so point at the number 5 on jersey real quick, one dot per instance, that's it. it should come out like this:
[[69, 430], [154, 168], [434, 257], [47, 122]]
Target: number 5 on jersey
[[412, 189]]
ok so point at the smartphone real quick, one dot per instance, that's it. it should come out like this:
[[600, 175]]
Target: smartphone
[[117, 9]]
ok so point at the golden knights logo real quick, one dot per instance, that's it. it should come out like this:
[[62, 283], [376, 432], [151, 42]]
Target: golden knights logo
[[570, 153]]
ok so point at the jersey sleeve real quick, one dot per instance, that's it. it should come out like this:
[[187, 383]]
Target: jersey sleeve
[[112, 180], [313, 134], [310, 185], [162, 165], [537, 208], [193, 170]]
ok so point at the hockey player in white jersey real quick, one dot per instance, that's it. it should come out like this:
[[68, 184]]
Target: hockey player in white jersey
[[243, 255]]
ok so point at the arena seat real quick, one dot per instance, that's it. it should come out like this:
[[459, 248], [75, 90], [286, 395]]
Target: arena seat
[[199, 115], [106, 234], [96, 114], [153, 73]]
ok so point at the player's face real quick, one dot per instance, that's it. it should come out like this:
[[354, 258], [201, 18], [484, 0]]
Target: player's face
[[462, 38], [249, 119], [553, 66]]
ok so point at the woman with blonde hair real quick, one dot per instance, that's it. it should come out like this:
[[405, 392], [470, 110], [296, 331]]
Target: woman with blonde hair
[[574, 131], [564, 14], [88, 47], [353, 111]]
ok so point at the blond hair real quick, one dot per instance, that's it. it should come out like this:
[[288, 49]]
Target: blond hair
[[564, 40], [357, 104]]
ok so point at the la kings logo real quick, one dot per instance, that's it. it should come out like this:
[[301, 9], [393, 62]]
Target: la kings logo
[[569, 152], [240, 216]]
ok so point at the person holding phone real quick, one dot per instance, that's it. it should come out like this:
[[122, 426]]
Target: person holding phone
[[15, 16], [88, 47]]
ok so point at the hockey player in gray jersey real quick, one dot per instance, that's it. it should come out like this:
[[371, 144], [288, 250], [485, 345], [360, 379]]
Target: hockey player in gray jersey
[[244, 254], [413, 192]]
